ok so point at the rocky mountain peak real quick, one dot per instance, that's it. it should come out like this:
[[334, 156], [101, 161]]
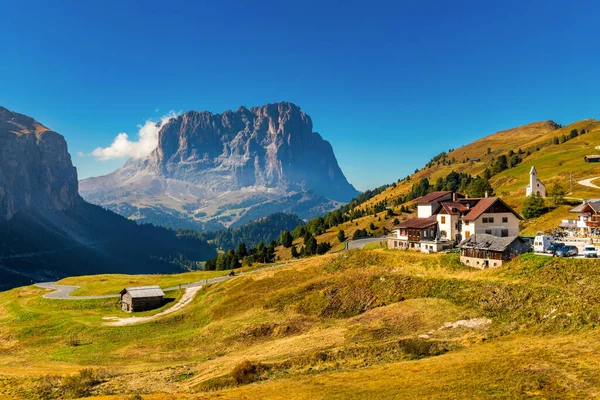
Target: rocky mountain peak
[[271, 146], [35, 167], [219, 166]]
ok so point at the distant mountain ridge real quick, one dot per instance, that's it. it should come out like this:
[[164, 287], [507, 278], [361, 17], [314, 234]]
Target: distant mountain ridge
[[48, 231], [214, 170]]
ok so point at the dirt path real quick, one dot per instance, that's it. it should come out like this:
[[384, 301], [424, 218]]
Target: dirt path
[[187, 297], [588, 182]]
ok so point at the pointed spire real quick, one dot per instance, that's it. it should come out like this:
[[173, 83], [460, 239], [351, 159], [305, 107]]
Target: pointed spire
[[533, 171]]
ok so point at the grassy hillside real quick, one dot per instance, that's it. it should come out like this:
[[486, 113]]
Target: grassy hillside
[[554, 163], [364, 324]]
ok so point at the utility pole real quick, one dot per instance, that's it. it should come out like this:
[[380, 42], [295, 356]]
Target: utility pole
[[571, 180]]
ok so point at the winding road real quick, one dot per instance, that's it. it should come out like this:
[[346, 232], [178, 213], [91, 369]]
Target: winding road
[[63, 292], [360, 243], [588, 182]]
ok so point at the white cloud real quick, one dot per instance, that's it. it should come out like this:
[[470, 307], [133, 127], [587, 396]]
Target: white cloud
[[147, 140], [81, 154]]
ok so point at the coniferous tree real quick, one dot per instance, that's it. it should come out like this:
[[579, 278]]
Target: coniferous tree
[[295, 253], [285, 238], [534, 206], [557, 192]]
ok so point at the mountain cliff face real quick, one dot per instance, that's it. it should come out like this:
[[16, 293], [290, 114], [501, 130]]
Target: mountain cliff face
[[48, 231], [211, 170], [36, 169]]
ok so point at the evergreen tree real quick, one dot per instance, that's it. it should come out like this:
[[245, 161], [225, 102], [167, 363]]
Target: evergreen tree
[[285, 238], [573, 134], [501, 164], [563, 139], [557, 192], [242, 251], [534, 206], [295, 253], [310, 246], [487, 174], [341, 236], [479, 187]]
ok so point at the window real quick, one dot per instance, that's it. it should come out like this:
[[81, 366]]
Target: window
[[491, 220], [488, 231], [467, 234], [443, 234], [443, 219], [504, 219], [466, 223], [488, 220], [504, 232]]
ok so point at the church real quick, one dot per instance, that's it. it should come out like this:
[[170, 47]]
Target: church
[[535, 185]]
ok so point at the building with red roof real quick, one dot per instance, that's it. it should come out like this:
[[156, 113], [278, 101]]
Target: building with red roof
[[444, 219]]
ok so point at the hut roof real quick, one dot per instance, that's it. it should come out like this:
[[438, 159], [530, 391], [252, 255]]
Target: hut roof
[[482, 241], [144, 291]]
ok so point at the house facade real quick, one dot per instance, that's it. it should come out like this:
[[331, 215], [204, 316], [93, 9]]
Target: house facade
[[535, 185], [142, 298], [588, 222], [444, 219], [489, 251]]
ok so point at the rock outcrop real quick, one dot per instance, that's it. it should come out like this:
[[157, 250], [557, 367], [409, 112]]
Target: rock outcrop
[[216, 167], [47, 231], [36, 169]]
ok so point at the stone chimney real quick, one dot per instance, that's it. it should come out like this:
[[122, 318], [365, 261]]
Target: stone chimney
[[486, 194]]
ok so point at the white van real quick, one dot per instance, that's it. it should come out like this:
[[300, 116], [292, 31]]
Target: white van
[[542, 242]]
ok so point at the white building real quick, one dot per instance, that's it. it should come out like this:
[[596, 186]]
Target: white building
[[446, 218], [535, 185]]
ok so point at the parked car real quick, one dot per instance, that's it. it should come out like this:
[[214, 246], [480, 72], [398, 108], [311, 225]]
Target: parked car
[[553, 247], [567, 251], [590, 251]]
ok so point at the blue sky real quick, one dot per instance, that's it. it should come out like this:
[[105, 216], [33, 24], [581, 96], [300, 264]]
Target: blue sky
[[389, 84]]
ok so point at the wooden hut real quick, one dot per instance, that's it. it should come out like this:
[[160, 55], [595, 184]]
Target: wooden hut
[[484, 251], [141, 298]]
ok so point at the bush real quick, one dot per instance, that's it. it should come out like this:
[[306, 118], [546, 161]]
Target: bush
[[81, 385], [247, 372]]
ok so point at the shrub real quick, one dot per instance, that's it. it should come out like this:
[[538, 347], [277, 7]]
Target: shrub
[[247, 372], [81, 385]]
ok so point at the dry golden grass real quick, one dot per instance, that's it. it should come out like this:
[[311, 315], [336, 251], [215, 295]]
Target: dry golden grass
[[361, 324]]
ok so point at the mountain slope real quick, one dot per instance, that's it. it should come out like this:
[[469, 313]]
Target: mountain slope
[[554, 163], [48, 231], [216, 169]]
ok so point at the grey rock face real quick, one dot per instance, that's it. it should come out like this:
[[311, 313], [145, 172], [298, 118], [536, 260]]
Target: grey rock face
[[206, 161], [35, 167]]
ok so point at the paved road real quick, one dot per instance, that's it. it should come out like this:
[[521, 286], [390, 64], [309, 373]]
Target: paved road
[[63, 292], [360, 243], [588, 182]]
